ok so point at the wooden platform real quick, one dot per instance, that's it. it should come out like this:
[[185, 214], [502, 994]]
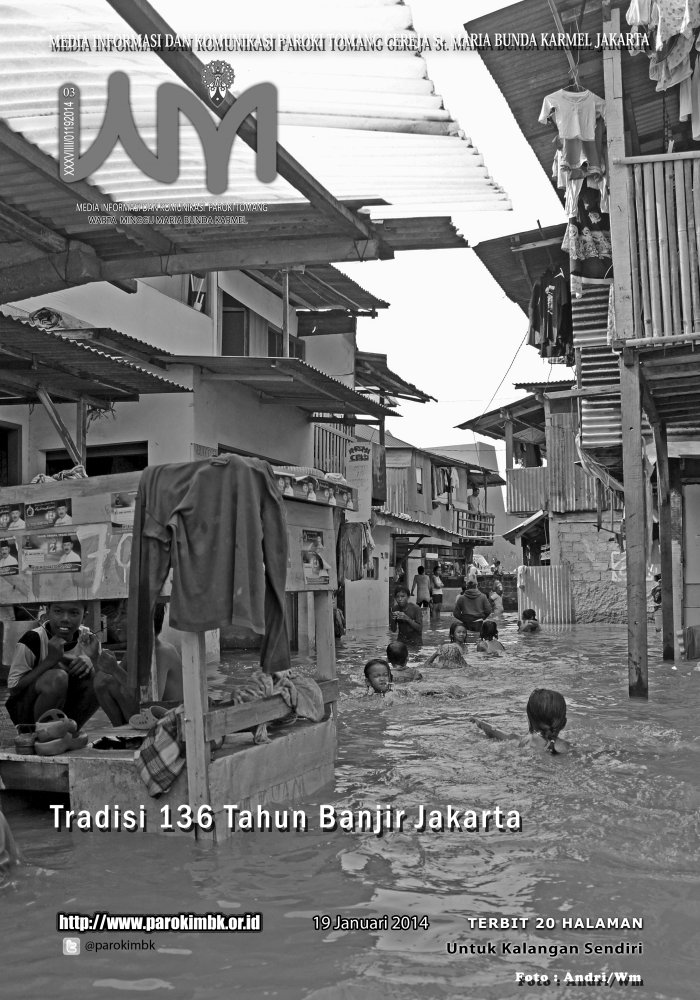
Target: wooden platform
[[296, 763]]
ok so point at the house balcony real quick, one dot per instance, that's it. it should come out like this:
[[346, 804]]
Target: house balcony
[[663, 196], [477, 528], [527, 490]]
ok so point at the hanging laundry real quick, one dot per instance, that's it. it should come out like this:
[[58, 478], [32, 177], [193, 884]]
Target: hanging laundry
[[220, 525], [579, 118], [350, 551]]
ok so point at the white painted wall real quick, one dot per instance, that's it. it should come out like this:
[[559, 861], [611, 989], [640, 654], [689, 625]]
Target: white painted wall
[[147, 315], [230, 414], [367, 601], [333, 354]]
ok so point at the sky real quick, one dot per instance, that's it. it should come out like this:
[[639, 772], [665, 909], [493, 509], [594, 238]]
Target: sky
[[450, 329]]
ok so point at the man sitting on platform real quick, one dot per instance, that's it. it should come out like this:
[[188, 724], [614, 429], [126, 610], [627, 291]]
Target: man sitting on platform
[[116, 698], [52, 667]]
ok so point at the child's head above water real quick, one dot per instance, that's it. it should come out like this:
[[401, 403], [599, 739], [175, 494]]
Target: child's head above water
[[378, 675], [546, 715], [489, 630], [397, 653], [458, 632], [401, 595], [529, 615]]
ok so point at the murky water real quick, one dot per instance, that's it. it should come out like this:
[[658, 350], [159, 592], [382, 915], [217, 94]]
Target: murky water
[[609, 831]]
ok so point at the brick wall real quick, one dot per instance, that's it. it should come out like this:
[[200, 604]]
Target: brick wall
[[598, 591]]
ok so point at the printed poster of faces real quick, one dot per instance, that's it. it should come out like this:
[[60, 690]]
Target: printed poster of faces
[[56, 553], [49, 514], [12, 517], [122, 516], [316, 569], [9, 558]]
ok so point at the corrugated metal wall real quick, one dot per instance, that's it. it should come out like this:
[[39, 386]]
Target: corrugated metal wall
[[547, 590], [570, 488], [527, 490], [601, 425]]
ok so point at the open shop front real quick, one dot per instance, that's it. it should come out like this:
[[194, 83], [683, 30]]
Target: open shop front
[[108, 550]]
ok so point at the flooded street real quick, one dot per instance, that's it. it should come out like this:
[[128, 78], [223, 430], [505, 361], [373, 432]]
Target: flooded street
[[610, 831]]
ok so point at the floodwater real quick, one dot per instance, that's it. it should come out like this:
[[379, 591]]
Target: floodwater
[[610, 831]]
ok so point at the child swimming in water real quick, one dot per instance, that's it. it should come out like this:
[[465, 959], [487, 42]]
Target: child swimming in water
[[397, 656], [546, 716], [378, 677], [488, 640], [528, 622], [451, 653]]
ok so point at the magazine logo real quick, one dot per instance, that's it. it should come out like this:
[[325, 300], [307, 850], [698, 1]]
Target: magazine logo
[[164, 165], [217, 77]]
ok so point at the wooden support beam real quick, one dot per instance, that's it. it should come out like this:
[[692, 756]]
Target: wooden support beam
[[635, 528], [52, 273], [57, 421], [308, 250], [663, 488], [194, 682], [23, 227]]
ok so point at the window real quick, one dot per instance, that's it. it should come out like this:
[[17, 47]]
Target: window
[[234, 328], [103, 460], [197, 292], [297, 347], [419, 479]]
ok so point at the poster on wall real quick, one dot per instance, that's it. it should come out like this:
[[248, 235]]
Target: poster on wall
[[9, 559], [358, 472], [315, 567], [12, 517], [49, 514], [123, 507], [51, 553]]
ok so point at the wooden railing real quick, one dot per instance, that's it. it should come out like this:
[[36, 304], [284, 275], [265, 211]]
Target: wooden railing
[[663, 194], [479, 527], [527, 490], [330, 447]]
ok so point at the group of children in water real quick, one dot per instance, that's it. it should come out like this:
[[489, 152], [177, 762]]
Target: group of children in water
[[546, 709]]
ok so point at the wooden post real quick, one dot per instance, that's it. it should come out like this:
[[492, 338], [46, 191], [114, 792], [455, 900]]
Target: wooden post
[[285, 312], [81, 431], [57, 421], [635, 525], [676, 504], [194, 682], [325, 637], [508, 426], [619, 180], [663, 487]]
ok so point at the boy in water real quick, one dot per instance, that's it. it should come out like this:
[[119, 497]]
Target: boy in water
[[529, 622], [397, 656], [378, 677], [52, 667], [406, 619], [546, 717]]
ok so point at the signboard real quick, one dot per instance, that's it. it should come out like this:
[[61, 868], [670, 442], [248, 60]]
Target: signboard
[[358, 472]]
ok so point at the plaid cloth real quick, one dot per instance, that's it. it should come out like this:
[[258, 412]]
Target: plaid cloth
[[162, 753]]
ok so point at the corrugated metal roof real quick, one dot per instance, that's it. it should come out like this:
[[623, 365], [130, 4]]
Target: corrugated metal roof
[[372, 373], [392, 517], [284, 380], [527, 415], [367, 125], [68, 369], [321, 287], [525, 76], [516, 262]]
